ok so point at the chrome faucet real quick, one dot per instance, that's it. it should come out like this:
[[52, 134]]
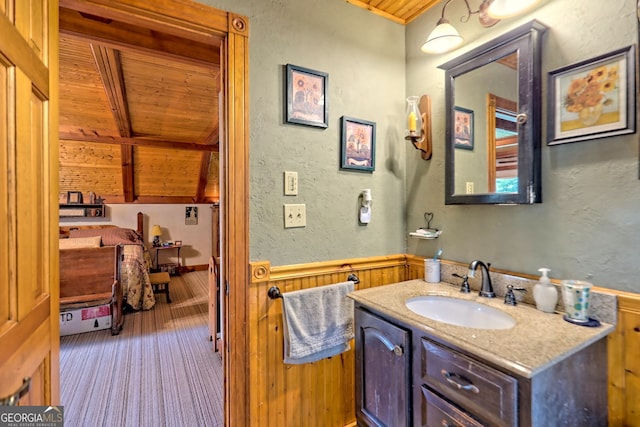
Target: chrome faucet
[[487, 288]]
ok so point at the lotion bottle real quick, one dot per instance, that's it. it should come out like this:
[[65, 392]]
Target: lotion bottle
[[544, 293]]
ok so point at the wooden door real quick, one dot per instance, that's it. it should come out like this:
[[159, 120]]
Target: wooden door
[[29, 328]]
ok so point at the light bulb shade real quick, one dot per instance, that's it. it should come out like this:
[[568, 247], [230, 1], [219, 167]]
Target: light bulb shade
[[156, 231], [442, 39], [500, 9]]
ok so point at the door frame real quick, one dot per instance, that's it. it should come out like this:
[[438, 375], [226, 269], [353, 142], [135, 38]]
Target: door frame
[[200, 22]]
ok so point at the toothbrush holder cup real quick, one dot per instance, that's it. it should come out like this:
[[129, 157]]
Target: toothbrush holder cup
[[575, 294]]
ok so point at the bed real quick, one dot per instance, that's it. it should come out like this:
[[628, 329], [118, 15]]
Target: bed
[[135, 261]]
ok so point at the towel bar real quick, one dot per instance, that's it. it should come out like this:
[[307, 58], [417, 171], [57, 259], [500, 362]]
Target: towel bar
[[274, 291]]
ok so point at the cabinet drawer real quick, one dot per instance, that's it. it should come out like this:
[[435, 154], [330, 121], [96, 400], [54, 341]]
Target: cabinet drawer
[[487, 393], [440, 413]]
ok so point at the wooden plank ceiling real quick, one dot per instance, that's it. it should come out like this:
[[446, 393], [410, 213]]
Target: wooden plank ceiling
[[400, 11], [138, 113]]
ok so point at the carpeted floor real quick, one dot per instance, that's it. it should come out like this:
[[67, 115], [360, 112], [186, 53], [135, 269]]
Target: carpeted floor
[[160, 371]]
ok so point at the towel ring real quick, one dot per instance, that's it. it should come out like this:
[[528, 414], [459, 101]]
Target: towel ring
[[274, 291]]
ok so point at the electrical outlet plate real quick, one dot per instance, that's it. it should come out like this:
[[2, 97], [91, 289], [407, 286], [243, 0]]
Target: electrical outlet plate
[[469, 187], [295, 216], [290, 183]]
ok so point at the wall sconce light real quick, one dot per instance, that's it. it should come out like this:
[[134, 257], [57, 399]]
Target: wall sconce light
[[156, 232], [419, 124], [445, 37]]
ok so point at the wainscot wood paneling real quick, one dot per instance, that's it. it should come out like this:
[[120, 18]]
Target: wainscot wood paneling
[[315, 394], [323, 393], [624, 363]]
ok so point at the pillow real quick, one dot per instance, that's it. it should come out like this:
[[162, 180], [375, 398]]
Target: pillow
[[80, 242], [111, 236]]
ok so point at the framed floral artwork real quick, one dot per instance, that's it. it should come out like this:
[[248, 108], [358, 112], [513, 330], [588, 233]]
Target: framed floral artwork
[[463, 128], [358, 144], [593, 98], [306, 97]]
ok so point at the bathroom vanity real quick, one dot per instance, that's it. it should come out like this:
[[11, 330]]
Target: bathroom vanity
[[414, 371]]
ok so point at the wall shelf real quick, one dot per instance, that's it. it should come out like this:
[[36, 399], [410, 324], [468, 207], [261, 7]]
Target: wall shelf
[[423, 236], [82, 210]]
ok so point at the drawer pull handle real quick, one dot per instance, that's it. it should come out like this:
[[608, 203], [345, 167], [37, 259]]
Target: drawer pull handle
[[457, 380], [12, 400], [397, 350]]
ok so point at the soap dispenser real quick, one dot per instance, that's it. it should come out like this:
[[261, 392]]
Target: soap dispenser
[[544, 293]]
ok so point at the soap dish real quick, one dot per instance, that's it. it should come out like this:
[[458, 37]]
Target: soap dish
[[591, 323]]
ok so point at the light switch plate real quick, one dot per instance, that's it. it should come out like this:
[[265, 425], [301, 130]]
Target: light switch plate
[[295, 216], [290, 183]]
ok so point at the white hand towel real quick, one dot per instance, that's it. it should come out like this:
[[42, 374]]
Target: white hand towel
[[318, 322]]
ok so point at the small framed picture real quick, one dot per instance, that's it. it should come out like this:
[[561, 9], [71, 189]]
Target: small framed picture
[[593, 98], [191, 215], [358, 144], [74, 197], [306, 97], [178, 243], [463, 128]]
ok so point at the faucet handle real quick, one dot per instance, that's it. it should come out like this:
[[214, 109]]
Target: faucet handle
[[510, 298], [465, 283]]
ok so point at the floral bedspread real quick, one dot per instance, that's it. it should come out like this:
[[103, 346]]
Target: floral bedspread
[[134, 275]]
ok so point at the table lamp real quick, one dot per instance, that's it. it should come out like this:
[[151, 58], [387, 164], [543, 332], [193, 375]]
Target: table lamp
[[156, 232]]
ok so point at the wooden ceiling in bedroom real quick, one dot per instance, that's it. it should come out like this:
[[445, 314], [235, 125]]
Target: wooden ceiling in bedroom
[[138, 112]]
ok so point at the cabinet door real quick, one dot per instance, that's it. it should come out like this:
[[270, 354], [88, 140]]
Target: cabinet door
[[382, 372]]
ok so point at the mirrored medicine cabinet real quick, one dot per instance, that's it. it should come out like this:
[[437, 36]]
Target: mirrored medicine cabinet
[[493, 121]]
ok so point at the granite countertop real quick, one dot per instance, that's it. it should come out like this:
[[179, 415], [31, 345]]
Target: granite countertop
[[537, 341]]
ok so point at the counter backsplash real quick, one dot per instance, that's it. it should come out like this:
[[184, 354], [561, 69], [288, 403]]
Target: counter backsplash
[[602, 305]]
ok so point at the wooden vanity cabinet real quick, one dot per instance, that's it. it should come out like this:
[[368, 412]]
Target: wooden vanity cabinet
[[383, 366], [405, 376]]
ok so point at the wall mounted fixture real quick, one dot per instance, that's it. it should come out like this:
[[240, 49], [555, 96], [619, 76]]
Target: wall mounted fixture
[[419, 124], [445, 37], [365, 209], [156, 232]]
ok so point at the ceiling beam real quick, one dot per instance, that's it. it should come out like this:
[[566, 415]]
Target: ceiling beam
[[128, 37], [110, 70], [175, 145], [205, 164], [126, 159]]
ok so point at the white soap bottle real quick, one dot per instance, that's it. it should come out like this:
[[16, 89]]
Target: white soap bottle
[[544, 293]]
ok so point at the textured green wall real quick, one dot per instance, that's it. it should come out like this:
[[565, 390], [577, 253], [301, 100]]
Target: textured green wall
[[364, 55], [588, 225]]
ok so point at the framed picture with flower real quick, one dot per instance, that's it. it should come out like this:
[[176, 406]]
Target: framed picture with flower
[[306, 97], [593, 98], [358, 144], [463, 128]]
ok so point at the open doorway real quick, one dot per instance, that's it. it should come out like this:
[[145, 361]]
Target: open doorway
[[206, 25]]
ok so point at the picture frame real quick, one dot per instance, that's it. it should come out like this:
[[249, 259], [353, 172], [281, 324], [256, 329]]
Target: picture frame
[[306, 100], [592, 99], [178, 243], [358, 144], [191, 215], [74, 197], [463, 135]]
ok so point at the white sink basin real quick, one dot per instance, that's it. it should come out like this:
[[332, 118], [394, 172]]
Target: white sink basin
[[460, 312]]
